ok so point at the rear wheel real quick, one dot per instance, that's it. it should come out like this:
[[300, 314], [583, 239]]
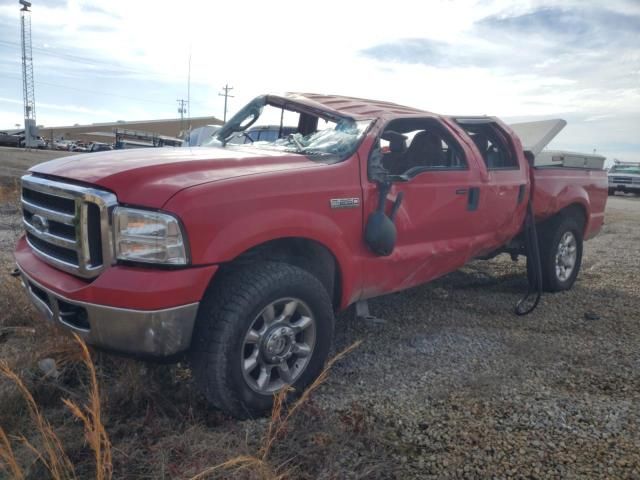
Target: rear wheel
[[612, 191], [560, 253], [260, 329]]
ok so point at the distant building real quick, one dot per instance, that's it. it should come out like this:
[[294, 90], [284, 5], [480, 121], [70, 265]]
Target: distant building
[[106, 132]]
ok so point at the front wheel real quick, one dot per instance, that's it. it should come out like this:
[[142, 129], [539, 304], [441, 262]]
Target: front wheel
[[260, 329], [612, 191]]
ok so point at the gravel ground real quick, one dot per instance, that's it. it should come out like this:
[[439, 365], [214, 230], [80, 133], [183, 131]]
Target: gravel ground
[[453, 385], [460, 387]]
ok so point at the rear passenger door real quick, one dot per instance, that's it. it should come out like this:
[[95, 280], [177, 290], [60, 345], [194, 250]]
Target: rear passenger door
[[505, 191]]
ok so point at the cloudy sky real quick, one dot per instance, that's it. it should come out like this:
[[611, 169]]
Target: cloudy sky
[[101, 61]]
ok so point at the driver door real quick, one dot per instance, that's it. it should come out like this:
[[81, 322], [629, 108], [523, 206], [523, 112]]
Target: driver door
[[437, 221]]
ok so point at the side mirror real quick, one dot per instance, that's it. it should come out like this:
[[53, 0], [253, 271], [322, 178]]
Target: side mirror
[[380, 233]]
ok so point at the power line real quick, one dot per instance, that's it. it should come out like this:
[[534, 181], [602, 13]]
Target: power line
[[75, 58], [80, 59], [95, 92]]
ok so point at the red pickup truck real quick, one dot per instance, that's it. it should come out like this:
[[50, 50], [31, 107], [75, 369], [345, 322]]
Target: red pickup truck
[[240, 254]]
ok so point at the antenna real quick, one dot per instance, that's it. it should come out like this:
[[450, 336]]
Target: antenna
[[28, 84], [226, 95], [189, 90]]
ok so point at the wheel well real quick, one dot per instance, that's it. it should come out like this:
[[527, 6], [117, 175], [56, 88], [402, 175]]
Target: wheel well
[[576, 211], [304, 253]]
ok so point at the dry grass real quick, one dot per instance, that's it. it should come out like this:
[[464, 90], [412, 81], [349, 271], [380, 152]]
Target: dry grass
[[276, 429], [14, 307], [54, 458], [10, 192], [8, 458], [91, 417], [55, 452]]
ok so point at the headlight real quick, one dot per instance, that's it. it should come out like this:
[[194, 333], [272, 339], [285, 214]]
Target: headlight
[[147, 236]]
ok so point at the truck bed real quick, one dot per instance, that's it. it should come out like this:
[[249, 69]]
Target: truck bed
[[555, 188]]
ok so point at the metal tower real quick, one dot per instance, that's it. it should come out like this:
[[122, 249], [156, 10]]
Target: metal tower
[[28, 85]]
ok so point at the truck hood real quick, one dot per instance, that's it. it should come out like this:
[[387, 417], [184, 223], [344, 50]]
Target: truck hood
[[150, 176]]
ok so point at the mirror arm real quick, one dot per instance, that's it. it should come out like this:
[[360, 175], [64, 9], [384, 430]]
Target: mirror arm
[[396, 206]]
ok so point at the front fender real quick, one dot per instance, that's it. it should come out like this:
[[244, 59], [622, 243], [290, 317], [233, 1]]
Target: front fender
[[227, 219], [260, 227], [257, 228]]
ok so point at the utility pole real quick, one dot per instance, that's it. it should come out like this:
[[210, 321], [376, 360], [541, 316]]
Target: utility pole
[[226, 95], [182, 109], [189, 89], [28, 84]]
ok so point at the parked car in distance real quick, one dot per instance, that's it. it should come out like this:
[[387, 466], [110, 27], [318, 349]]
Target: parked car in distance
[[10, 140], [200, 136], [78, 147], [624, 177], [99, 147], [40, 143], [61, 145]]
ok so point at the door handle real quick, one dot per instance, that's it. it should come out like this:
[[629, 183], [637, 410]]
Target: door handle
[[461, 191], [473, 199], [521, 190]]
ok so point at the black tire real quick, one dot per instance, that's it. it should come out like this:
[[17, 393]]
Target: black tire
[[549, 235], [612, 191], [230, 308]]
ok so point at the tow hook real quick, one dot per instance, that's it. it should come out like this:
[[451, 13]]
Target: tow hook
[[15, 273]]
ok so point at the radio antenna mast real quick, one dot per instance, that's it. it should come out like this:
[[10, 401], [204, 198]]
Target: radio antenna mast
[[28, 84]]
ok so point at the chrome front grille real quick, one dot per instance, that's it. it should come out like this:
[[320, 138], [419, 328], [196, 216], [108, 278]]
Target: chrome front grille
[[621, 179], [67, 225]]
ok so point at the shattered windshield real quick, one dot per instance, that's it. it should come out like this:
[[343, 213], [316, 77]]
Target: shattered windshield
[[338, 141], [292, 129]]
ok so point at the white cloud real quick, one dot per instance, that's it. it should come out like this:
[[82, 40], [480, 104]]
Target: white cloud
[[136, 54]]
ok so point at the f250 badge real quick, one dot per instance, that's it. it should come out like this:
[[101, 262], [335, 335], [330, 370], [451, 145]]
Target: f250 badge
[[345, 202]]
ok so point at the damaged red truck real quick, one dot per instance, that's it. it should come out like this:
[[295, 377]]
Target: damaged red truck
[[240, 254]]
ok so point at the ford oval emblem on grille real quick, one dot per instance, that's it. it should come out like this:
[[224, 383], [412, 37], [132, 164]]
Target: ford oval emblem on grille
[[40, 223]]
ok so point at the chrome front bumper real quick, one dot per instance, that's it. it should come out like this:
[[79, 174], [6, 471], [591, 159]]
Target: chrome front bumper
[[148, 332]]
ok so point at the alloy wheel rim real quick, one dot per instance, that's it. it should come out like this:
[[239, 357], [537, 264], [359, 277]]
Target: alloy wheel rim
[[566, 256], [278, 345]]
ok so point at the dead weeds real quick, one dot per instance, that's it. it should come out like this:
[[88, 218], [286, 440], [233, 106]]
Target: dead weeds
[[279, 424], [50, 450], [166, 432]]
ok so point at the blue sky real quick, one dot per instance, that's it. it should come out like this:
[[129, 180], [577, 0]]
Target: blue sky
[[121, 60]]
